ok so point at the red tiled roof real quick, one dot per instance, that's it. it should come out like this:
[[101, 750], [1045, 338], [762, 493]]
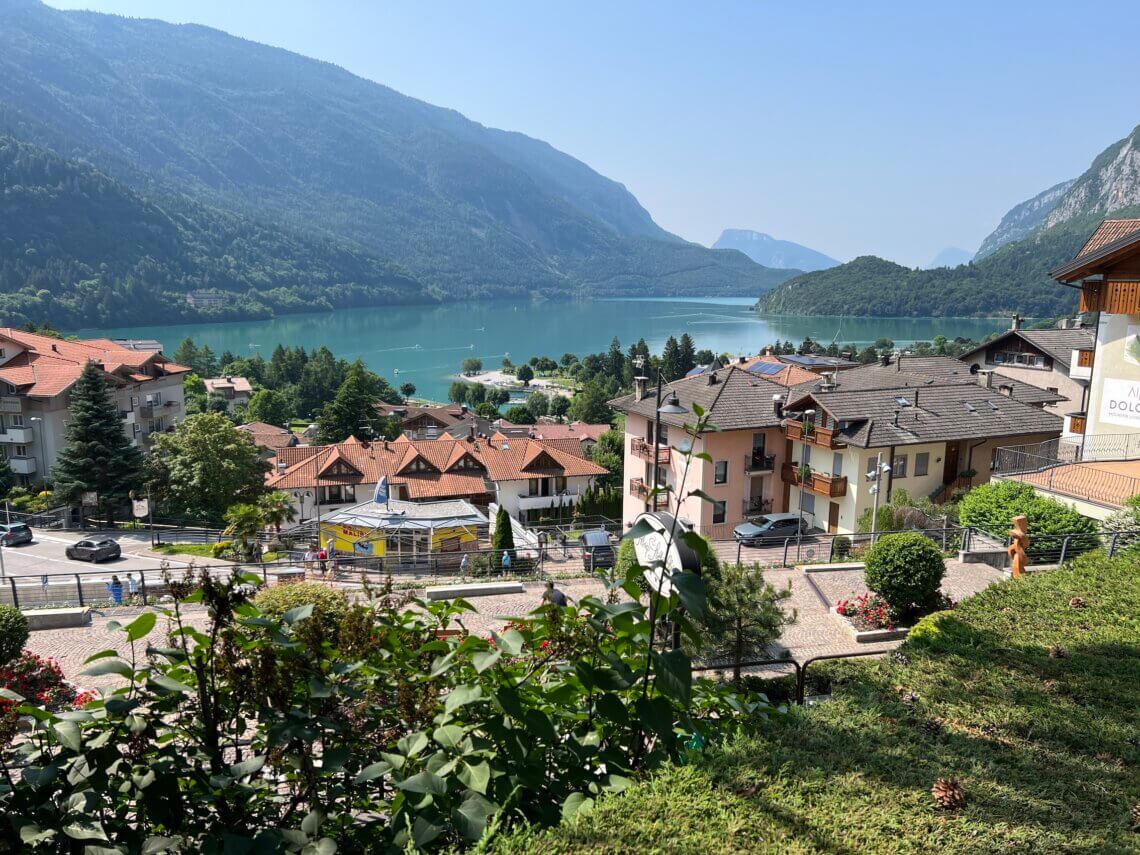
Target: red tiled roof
[[47, 366], [356, 462], [574, 430], [240, 385], [1109, 231], [270, 436]]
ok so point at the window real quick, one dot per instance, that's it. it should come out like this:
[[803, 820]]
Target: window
[[898, 466], [559, 483], [720, 472], [1051, 389], [662, 433], [17, 421], [837, 464], [921, 464], [532, 487], [807, 502], [21, 451], [719, 512]]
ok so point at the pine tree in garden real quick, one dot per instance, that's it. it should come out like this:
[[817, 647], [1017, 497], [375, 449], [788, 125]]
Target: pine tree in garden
[[96, 455]]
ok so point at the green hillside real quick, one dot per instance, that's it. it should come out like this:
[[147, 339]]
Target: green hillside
[[315, 154]]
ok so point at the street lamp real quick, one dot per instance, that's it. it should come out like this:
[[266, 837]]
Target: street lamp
[[876, 475]]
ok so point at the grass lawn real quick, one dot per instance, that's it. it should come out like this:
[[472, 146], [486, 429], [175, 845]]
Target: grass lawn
[[202, 550], [1046, 747]]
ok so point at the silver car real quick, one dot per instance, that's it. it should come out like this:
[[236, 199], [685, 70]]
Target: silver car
[[94, 550]]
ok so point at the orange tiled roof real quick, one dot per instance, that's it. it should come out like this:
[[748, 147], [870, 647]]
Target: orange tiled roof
[[270, 436], [574, 430], [217, 384], [1109, 231], [792, 375], [47, 366], [445, 473]]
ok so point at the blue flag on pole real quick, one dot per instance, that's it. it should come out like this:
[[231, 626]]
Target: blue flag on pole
[[381, 494]]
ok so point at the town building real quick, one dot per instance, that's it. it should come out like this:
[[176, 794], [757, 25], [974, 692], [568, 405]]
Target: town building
[[1056, 360], [935, 438], [36, 376], [406, 533], [584, 434], [747, 449], [235, 391], [529, 477], [457, 421], [1096, 464]]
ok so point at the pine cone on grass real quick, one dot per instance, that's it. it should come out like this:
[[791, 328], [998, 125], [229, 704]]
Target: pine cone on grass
[[1076, 603], [948, 794], [933, 725], [1058, 652]]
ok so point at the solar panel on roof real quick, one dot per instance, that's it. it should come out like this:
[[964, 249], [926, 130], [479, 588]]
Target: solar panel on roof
[[766, 368]]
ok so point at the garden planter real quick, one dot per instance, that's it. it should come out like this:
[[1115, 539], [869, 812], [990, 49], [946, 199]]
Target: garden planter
[[869, 636]]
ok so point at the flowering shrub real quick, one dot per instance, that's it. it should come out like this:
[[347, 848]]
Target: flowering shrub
[[37, 679], [867, 611]]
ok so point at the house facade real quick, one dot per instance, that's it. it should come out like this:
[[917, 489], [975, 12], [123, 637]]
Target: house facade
[[36, 376], [935, 439], [1057, 360], [747, 450], [528, 477], [1096, 465], [235, 391]]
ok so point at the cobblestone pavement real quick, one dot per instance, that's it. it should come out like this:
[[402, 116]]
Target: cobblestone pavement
[[815, 631]]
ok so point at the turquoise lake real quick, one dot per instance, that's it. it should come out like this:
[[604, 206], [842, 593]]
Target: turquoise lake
[[425, 344]]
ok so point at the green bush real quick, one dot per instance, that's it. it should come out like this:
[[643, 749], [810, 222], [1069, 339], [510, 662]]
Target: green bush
[[842, 547], [222, 549], [13, 633], [906, 570], [991, 507], [329, 607]]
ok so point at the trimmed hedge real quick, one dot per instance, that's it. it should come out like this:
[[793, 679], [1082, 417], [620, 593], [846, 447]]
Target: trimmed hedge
[[329, 607], [991, 507], [906, 570], [13, 633]]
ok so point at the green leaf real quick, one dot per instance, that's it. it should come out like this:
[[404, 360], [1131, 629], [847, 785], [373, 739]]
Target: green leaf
[[702, 495], [675, 674], [510, 642], [539, 724], [424, 782], [159, 844], [690, 589], [167, 685], [32, 834], [575, 804], [311, 824], [470, 818], [319, 688], [412, 744], [171, 654], [141, 626], [424, 831], [475, 777], [102, 654], [247, 767], [371, 772], [67, 732], [298, 613], [657, 716], [109, 666], [484, 659], [462, 695], [84, 830], [324, 846], [637, 530], [610, 707], [449, 735]]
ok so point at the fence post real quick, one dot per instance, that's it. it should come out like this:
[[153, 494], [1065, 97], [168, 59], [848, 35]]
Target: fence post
[[142, 586], [786, 542], [79, 589], [1064, 549], [831, 552], [1112, 545], [15, 596]]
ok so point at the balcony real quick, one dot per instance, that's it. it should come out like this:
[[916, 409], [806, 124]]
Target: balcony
[[812, 434], [1080, 364], [1077, 422], [11, 404], [755, 506], [23, 465], [820, 483], [527, 502], [145, 411], [644, 449], [757, 462], [1100, 469], [18, 435], [639, 490]]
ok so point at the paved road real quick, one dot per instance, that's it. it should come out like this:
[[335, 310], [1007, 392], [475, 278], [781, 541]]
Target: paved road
[[45, 555]]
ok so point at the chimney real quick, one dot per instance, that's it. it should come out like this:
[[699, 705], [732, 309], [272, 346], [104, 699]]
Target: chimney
[[471, 434], [885, 360], [640, 388], [828, 384], [986, 378], [1016, 322], [897, 417], [712, 378], [916, 391], [767, 351], [742, 359], [778, 405]]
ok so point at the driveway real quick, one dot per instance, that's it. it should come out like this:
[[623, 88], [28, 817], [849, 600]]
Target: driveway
[[45, 554]]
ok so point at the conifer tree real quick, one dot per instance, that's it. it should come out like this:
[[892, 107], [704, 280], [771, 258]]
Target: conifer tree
[[353, 411], [96, 455], [687, 355]]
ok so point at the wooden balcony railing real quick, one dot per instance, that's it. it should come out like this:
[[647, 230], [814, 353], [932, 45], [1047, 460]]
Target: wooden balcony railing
[[812, 434], [822, 484], [640, 490], [1077, 424], [1084, 358], [644, 449]]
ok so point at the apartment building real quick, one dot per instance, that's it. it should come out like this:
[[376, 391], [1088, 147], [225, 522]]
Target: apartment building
[[934, 437], [528, 477], [747, 449], [36, 376], [235, 391], [1096, 464], [1056, 360]]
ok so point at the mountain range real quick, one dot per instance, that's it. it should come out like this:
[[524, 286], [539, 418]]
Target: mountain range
[[1010, 272], [951, 256], [197, 160], [771, 252]]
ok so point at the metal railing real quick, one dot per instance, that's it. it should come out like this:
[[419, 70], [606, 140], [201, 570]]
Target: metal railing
[[1076, 478], [755, 505], [759, 462]]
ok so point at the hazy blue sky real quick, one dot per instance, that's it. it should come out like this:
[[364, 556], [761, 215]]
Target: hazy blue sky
[[888, 128]]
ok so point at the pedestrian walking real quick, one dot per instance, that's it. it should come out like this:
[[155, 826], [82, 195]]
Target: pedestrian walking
[[506, 561], [309, 556], [115, 588], [322, 561], [132, 587], [553, 596], [464, 563]]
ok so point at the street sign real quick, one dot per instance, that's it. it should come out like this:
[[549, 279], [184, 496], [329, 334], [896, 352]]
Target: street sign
[[90, 499], [140, 507]]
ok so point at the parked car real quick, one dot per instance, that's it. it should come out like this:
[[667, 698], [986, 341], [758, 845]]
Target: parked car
[[94, 550], [597, 552], [770, 529], [15, 533]]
